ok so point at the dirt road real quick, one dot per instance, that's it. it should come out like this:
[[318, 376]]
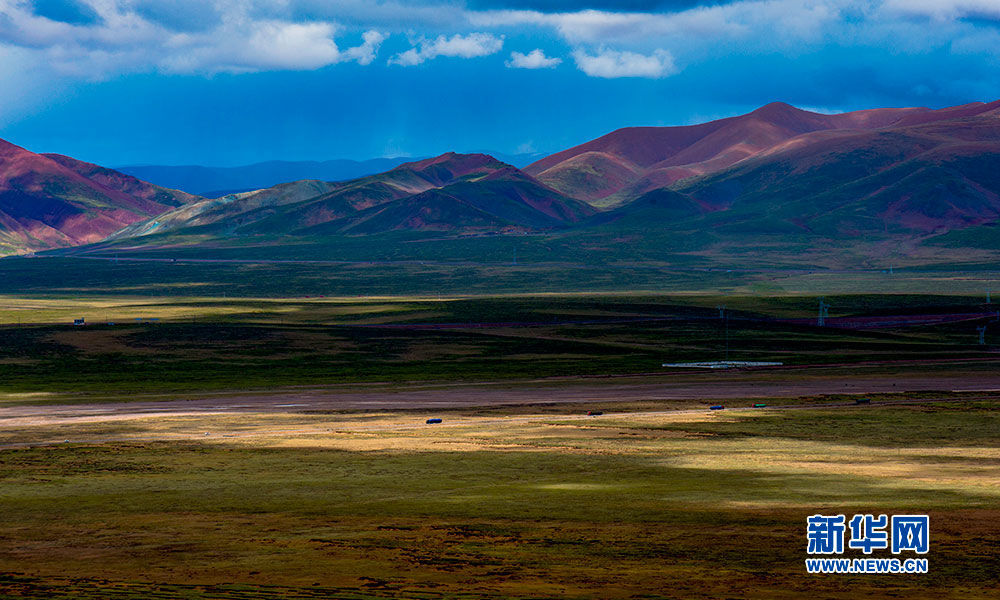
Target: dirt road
[[709, 388]]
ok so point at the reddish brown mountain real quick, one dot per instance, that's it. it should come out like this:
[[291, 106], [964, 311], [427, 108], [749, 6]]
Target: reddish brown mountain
[[629, 162], [49, 201], [925, 178]]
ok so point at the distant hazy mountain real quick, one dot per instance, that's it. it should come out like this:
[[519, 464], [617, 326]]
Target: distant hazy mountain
[[517, 160], [213, 182], [50, 201]]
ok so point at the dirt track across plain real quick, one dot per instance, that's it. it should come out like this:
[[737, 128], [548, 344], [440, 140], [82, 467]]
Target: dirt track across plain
[[709, 388]]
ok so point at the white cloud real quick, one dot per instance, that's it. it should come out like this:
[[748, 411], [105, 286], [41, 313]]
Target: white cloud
[[612, 64], [265, 45], [407, 59], [122, 40], [535, 59], [782, 19], [209, 36], [366, 52], [462, 46]]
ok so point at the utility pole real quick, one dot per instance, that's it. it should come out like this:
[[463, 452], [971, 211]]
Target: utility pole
[[824, 312]]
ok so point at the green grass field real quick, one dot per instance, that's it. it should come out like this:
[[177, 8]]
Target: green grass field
[[178, 272], [213, 343]]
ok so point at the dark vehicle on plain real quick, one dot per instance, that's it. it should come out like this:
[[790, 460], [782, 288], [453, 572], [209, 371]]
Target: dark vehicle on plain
[[595, 413], [432, 421], [716, 407]]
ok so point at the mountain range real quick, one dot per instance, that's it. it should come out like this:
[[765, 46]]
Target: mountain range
[[899, 174], [452, 192], [214, 182]]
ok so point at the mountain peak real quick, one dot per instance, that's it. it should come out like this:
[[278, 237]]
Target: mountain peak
[[778, 108], [450, 167], [784, 114], [454, 160]]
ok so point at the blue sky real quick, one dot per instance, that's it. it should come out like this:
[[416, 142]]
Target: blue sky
[[228, 82]]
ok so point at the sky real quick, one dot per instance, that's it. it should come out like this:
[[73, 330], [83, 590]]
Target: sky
[[231, 82]]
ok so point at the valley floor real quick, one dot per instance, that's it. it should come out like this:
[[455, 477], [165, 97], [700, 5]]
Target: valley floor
[[656, 499], [253, 447]]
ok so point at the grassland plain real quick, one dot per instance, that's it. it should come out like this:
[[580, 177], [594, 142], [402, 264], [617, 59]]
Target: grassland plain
[[189, 343], [509, 504], [203, 272], [638, 239], [498, 502]]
